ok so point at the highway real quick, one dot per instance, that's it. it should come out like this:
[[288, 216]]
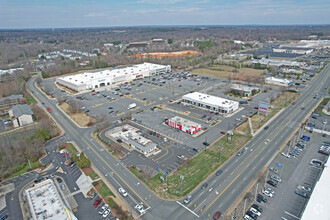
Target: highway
[[238, 172]]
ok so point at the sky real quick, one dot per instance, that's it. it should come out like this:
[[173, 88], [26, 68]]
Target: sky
[[110, 13]]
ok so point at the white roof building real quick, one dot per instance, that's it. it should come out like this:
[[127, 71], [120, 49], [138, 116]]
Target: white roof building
[[45, 202], [212, 103], [278, 81], [107, 77], [246, 90], [279, 63]]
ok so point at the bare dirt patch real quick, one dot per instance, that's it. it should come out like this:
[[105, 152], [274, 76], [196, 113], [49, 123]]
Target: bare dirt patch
[[80, 118], [224, 71]]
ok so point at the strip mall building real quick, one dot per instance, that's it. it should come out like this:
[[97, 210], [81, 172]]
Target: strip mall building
[[107, 77], [209, 102]]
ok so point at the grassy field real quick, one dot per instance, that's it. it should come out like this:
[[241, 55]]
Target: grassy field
[[72, 150], [223, 71], [198, 169], [281, 102], [80, 118], [93, 175], [322, 105]]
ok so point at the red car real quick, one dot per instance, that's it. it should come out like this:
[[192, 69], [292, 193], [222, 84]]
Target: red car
[[217, 215], [49, 109], [127, 93], [222, 132], [66, 154], [97, 202], [293, 103], [158, 135], [180, 85], [256, 107]]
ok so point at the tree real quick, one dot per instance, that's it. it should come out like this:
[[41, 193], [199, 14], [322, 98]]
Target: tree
[[170, 40], [75, 158]]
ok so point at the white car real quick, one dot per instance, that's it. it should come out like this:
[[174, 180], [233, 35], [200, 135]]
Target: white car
[[140, 209], [247, 217], [273, 169], [106, 213], [254, 211], [285, 155], [275, 178], [63, 151], [123, 192], [267, 193], [103, 208]]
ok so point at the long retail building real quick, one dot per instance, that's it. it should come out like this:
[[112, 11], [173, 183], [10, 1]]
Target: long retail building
[[212, 103], [107, 77]]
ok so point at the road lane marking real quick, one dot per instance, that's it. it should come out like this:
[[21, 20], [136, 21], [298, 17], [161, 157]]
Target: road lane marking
[[187, 208]]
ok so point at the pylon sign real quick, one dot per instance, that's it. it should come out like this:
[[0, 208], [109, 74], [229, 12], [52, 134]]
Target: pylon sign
[[263, 108]]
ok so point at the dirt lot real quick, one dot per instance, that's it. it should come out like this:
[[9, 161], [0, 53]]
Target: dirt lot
[[224, 71], [80, 118]]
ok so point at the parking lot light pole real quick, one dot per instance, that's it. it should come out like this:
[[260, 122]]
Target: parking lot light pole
[[266, 178]]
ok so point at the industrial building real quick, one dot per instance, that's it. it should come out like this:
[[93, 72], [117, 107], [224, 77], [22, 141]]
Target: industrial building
[[212, 103], [107, 77], [278, 81], [45, 202], [279, 63], [243, 90], [184, 125]]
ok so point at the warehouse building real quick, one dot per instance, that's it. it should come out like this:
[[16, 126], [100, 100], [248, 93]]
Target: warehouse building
[[243, 90], [209, 102], [45, 202], [108, 77], [184, 125], [278, 81]]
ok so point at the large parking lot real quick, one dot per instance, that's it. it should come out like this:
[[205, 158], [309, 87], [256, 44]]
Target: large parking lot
[[165, 91]]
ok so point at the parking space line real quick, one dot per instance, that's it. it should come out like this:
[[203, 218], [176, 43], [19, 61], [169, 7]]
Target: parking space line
[[187, 208]]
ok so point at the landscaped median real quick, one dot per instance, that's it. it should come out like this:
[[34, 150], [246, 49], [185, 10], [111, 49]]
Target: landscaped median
[[197, 169]]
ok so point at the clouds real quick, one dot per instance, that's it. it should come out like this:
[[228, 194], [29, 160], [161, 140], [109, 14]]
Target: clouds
[[82, 13]]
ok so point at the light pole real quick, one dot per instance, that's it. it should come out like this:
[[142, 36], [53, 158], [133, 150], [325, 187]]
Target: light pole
[[221, 148], [266, 179]]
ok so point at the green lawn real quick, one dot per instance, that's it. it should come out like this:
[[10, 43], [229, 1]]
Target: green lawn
[[93, 175], [30, 100], [112, 203], [72, 149], [25, 169], [105, 191]]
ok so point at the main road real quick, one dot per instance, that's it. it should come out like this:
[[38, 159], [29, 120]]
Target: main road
[[223, 190]]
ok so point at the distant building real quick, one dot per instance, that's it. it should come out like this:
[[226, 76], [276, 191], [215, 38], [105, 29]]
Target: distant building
[[138, 44], [209, 102], [107, 77], [45, 202], [243, 90], [184, 125], [22, 115], [158, 41], [279, 63], [277, 81], [10, 71], [291, 50], [9, 101]]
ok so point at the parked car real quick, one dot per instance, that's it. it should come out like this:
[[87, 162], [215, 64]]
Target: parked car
[[254, 211], [93, 195], [273, 169], [59, 180], [206, 144], [301, 193], [103, 209], [275, 178], [106, 213], [97, 202], [251, 214], [62, 151], [39, 179], [261, 198], [222, 132], [196, 149], [62, 186], [305, 188], [66, 154], [285, 155], [272, 183], [257, 207]]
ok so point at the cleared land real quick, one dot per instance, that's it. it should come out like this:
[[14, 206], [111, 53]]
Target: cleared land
[[80, 118], [224, 71]]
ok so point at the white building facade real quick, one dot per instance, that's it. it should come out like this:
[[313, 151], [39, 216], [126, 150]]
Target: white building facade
[[278, 81], [184, 125], [212, 103], [21, 114], [107, 77]]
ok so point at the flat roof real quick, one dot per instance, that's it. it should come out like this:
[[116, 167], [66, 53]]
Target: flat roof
[[86, 77], [209, 99], [185, 122], [243, 87], [317, 207], [45, 202]]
